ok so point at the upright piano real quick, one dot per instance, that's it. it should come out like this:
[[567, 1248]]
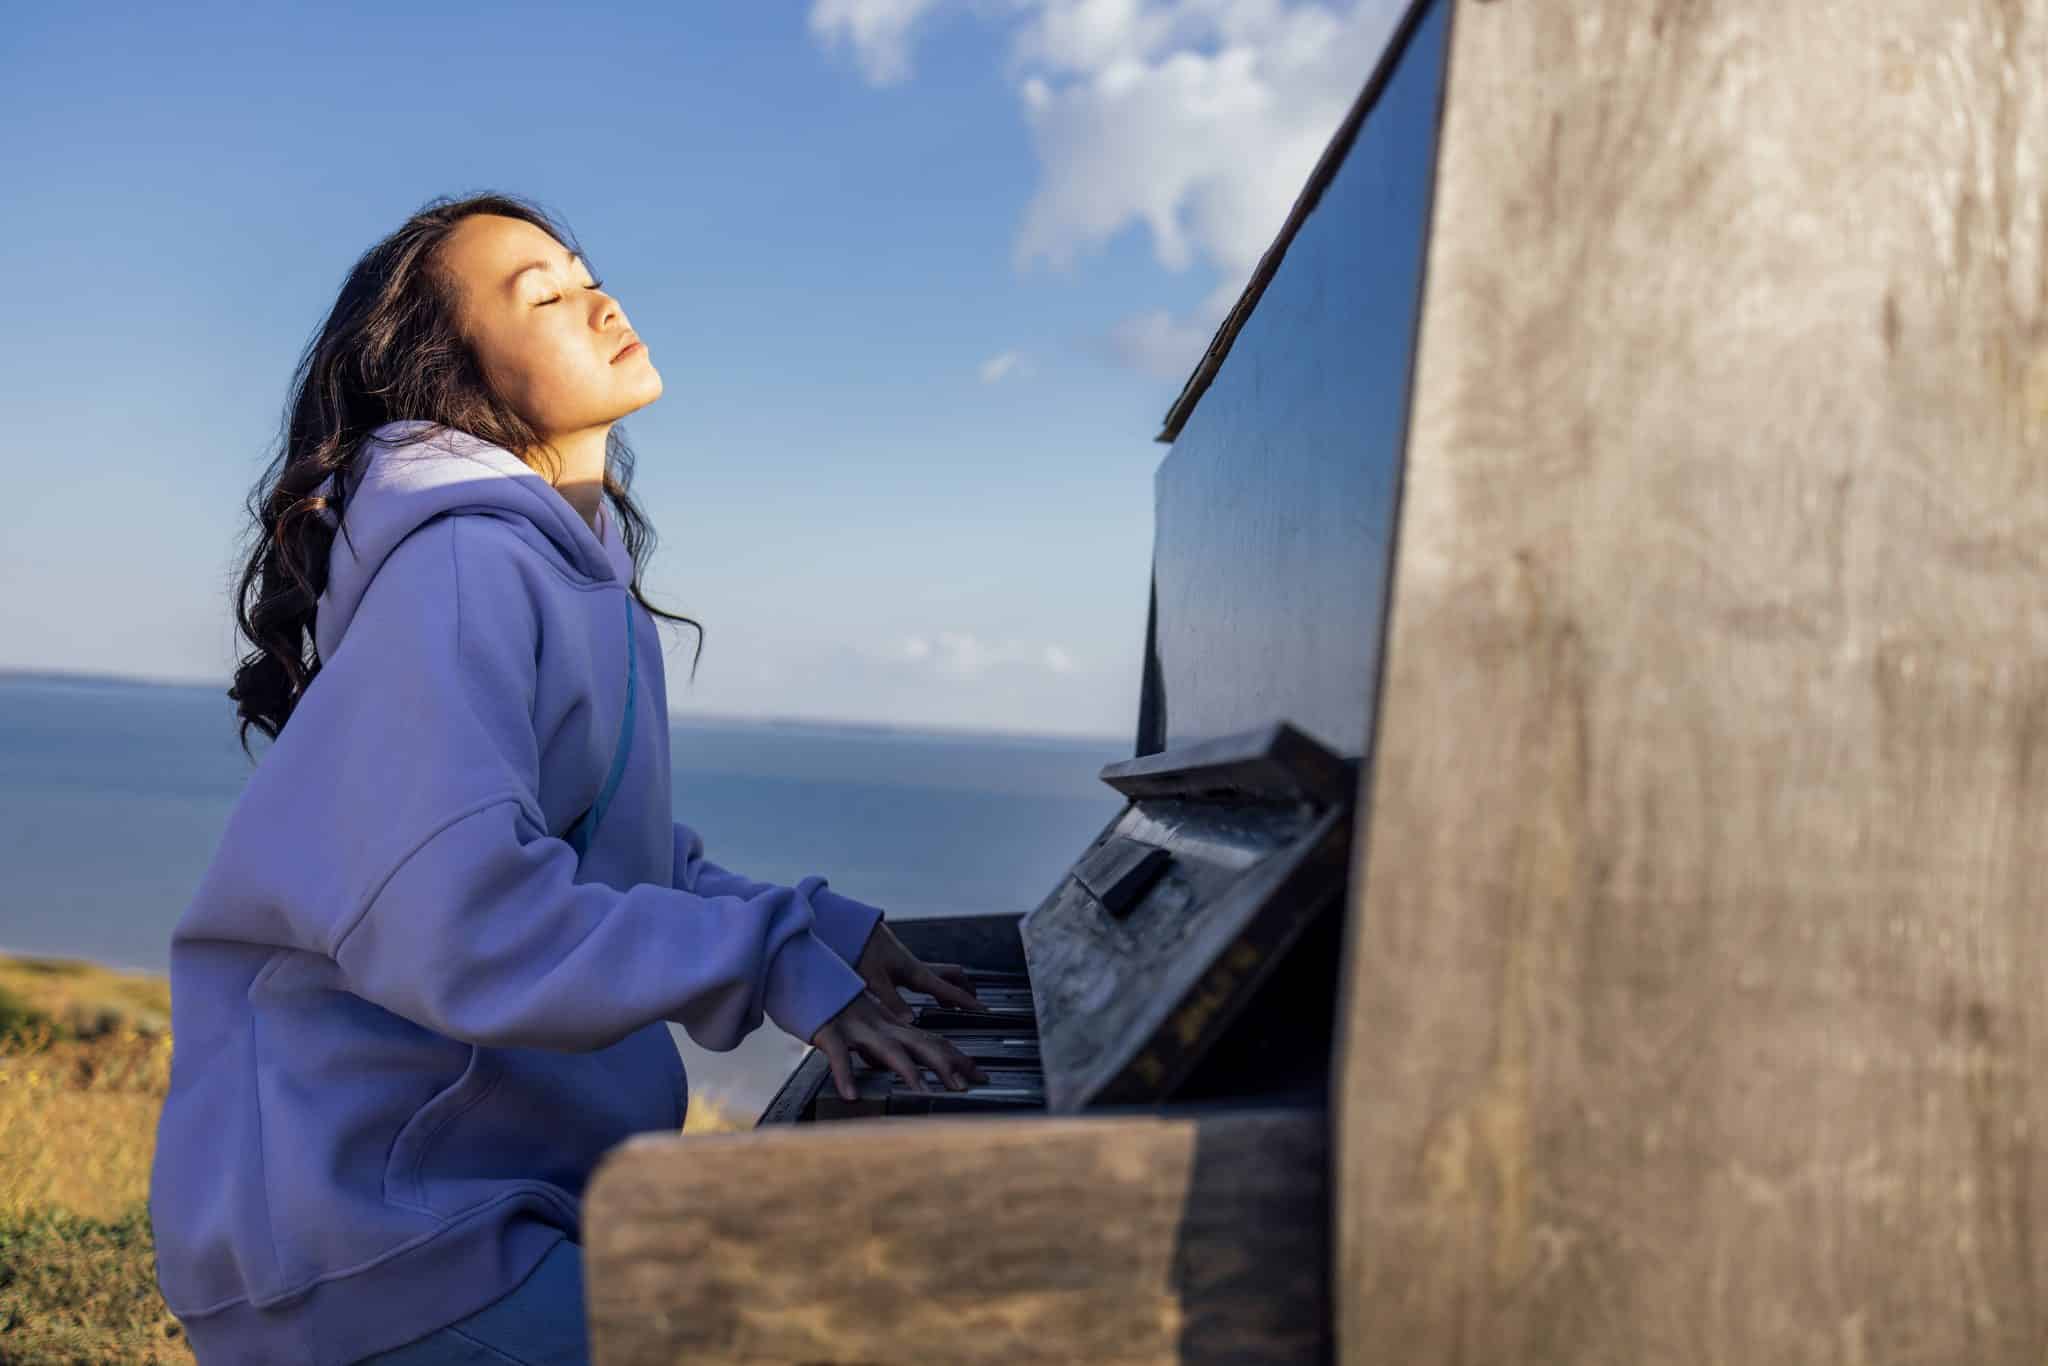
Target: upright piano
[[1179, 983], [1190, 951], [1575, 891]]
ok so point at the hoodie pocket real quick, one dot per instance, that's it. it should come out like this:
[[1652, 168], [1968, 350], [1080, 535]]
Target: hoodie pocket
[[403, 1183]]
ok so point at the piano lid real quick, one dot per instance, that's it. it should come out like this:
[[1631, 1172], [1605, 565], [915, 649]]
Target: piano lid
[[1389, 23], [1274, 509], [1274, 526], [1171, 919]]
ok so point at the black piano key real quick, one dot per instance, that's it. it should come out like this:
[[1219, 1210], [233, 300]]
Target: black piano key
[[1003, 1090], [1010, 1050], [994, 1000], [997, 1022], [871, 1096], [884, 1093], [830, 1105], [871, 1080], [958, 1103]]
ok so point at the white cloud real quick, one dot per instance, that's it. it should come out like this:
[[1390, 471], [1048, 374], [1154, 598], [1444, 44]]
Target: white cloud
[[1159, 345], [961, 655], [995, 367], [1199, 120], [878, 30], [1010, 674], [1089, 35], [964, 655]]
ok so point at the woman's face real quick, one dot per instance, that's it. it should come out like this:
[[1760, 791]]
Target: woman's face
[[548, 341]]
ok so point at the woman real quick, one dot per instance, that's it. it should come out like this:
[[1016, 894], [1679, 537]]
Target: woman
[[425, 982]]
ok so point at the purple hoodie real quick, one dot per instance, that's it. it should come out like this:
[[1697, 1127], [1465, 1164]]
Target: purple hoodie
[[409, 1016]]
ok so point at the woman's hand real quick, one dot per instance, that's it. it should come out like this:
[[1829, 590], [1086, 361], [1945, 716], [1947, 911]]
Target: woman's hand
[[887, 965], [884, 1043]]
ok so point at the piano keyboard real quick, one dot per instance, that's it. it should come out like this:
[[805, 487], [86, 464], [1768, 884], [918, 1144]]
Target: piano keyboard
[[1003, 1042]]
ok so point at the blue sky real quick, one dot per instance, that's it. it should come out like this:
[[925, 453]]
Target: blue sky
[[921, 280]]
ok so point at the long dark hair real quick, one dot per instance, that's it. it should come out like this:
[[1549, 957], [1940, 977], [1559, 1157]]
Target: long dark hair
[[389, 350]]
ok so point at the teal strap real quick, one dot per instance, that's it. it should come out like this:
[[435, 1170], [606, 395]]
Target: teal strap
[[586, 825]]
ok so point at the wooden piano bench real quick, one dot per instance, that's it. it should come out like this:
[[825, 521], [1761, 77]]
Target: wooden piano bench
[[1195, 1235]]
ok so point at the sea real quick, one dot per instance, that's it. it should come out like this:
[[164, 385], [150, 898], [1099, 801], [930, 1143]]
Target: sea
[[114, 794]]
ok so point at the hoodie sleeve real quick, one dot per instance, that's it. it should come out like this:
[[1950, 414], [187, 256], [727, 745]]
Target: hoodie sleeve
[[842, 923], [447, 900]]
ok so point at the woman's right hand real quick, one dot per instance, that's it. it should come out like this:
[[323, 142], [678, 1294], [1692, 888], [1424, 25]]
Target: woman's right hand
[[900, 1048]]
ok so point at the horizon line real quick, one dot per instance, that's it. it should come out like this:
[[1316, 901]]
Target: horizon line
[[937, 728]]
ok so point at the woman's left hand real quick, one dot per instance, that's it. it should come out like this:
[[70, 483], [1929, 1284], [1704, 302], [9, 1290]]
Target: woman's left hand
[[887, 965]]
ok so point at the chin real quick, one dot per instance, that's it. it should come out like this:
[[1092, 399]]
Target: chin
[[641, 395]]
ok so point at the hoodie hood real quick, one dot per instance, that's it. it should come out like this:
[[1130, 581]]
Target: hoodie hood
[[413, 471]]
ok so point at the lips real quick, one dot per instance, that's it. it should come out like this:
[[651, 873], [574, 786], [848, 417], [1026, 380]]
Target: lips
[[631, 342]]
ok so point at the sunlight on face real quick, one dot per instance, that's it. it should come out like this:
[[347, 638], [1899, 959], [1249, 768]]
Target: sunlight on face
[[545, 337]]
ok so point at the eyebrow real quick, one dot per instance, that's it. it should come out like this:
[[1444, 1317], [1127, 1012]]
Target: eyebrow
[[513, 279]]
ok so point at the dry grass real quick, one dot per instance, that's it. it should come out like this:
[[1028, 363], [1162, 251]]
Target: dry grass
[[81, 1000], [85, 1055], [78, 1123], [82, 1292], [710, 1115], [85, 1059]]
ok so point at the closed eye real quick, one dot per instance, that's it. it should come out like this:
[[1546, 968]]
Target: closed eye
[[596, 284]]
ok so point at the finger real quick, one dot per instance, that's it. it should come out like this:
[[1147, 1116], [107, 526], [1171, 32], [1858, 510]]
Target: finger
[[884, 1051], [943, 1058], [948, 992], [894, 1003], [842, 1069]]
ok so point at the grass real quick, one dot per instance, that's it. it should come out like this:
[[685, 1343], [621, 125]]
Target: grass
[[85, 1060], [78, 1291], [80, 1000]]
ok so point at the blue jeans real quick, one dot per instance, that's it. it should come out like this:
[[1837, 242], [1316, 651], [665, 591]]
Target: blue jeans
[[540, 1323]]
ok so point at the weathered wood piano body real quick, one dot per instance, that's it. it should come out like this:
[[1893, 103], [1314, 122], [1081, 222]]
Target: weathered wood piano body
[[1576, 898]]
